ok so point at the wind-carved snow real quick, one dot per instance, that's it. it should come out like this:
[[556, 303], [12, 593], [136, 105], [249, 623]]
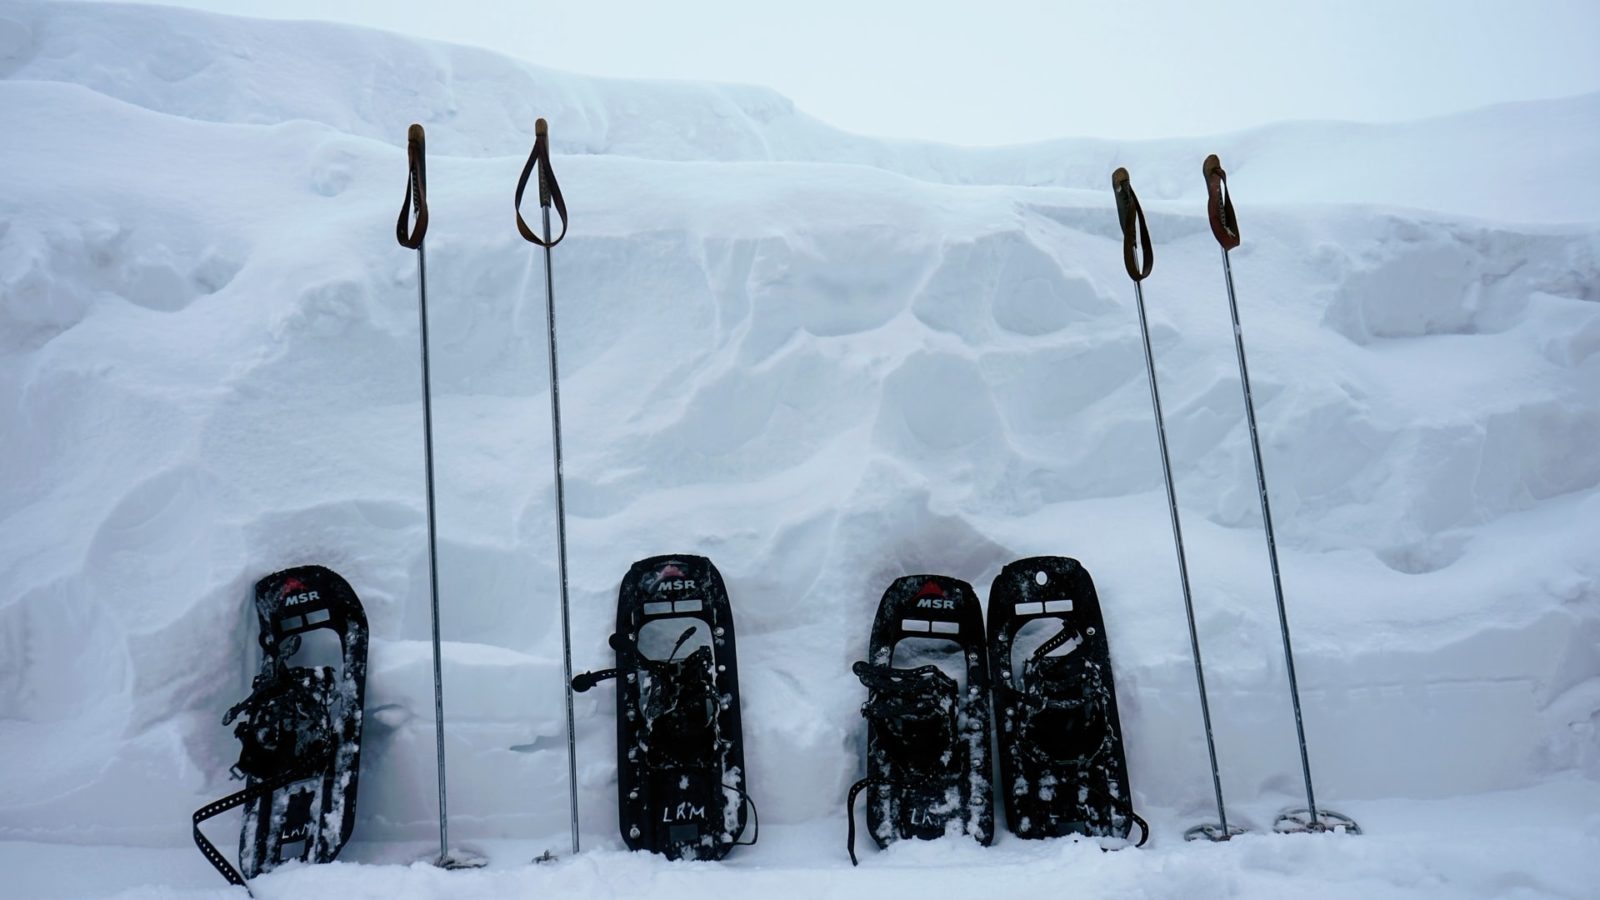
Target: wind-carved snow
[[822, 360]]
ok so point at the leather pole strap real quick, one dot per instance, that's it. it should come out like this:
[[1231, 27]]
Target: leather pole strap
[[410, 236], [1219, 204], [1131, 216], [549, 190]]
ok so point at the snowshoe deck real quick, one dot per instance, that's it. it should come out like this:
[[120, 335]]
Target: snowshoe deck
[[300, 729], [1061, 756], [928, 758], [682, 787]]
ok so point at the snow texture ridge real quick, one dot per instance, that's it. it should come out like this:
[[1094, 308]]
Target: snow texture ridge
[[822, 360]]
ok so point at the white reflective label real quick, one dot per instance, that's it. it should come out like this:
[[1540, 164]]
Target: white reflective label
[[946, 627], [658, 608], [687, 606], [919, 625], [1058, 606], [1029, 609]]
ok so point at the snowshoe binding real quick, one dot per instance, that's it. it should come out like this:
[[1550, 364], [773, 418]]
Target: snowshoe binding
[[1062, 767], [928, 759], [300, 729], [682, 789]]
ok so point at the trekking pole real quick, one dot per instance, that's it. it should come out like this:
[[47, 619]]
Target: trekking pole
[[550, 191], [1219, 207], [1135, 232], [410, 236]]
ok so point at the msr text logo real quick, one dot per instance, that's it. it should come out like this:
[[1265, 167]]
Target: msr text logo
[[679, 584], [935, 603], [297, 599]]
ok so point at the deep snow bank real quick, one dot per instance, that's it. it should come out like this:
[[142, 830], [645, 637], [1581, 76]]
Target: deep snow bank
[[821, 360]]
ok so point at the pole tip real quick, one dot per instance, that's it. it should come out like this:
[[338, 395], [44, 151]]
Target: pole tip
[[414, 133], [1119, 177], [540, 128], [1212, 164]]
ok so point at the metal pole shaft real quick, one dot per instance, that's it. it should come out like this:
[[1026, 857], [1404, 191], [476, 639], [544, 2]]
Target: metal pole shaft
[[561, 532], [1183, 566], [1272, 545], [433, 552]]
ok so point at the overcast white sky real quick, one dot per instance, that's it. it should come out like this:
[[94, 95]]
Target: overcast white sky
[[1009, 71]]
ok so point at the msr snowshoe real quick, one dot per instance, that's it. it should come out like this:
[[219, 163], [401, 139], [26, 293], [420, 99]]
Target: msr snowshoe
[[300, 729], [682, 789], [928, 757], [1061, 761]]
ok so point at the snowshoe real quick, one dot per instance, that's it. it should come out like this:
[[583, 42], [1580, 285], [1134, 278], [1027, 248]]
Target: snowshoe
[[928, 759], [300, 729], [682, 789], [1062, 767]]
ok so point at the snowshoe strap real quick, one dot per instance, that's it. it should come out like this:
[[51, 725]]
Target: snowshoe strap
[[1219, 204], [1131, 216], [915, 713], [1111, 803], [416, 189], [237, 799], [285, 725], [586, 680], [680, 710], [850, 811], [623, 646], [755, 816], [1066, 633], [549, 190], [1144, 827], [687, 633], [900, 681], [1061, 696]]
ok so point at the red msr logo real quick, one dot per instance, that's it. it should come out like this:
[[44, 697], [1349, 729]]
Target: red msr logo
[[932, 597], [671, 578]]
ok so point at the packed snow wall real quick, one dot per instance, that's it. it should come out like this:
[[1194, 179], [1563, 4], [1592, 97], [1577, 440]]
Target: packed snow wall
[[820, 359]]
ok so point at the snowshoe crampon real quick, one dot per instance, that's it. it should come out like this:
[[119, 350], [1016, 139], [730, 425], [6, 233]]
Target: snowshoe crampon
[[927, 715], [682, 789], [1062, 766], [300, 729]]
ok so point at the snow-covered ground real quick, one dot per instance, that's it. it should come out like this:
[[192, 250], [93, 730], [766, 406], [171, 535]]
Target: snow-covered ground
[[824, 361]]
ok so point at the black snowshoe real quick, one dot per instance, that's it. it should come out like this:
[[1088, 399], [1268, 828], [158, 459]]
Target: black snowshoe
[[928, 759], [300, 729], [682, 788], [1061, 760]]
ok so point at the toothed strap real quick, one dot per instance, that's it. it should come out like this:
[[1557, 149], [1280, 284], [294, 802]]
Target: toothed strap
[[233, 801], [586, 680], [1066, 633], [850, 811]]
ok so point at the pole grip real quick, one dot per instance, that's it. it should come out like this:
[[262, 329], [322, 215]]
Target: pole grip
[[1130, 215], [411, 235], [1219, 204], [541, 132], [549, 189]]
